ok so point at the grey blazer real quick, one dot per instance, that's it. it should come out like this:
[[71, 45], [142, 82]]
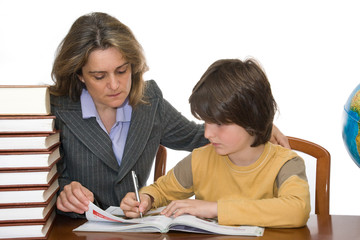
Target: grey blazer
[[88, 157]]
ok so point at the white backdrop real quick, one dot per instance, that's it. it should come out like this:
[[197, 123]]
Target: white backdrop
[[309, 49]]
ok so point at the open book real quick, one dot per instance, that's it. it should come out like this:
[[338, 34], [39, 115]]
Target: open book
[[113, 220]]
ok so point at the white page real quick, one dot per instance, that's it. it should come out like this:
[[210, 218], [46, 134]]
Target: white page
[[105, 221]]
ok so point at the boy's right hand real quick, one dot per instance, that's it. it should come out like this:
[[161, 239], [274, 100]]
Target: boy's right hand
[[132, 207]]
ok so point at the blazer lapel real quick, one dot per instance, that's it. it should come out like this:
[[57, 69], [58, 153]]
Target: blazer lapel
[[139, 133], [91, 135]]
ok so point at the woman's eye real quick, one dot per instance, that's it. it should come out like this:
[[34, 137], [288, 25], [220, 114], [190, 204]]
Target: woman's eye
[[123, 69], [99, 77]]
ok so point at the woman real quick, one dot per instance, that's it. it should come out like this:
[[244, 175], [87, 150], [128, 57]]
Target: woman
[[111, 121]]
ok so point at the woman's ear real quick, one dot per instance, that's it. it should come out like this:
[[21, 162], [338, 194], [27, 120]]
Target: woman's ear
[[80, 78]]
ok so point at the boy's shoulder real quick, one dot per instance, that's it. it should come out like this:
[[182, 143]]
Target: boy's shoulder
[[208, 148], [282, 154], [205, 152], [282, 151], [276, 149], [273, 153]]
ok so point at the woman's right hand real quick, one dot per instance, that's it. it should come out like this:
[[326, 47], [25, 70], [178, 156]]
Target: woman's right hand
[[74, 198]]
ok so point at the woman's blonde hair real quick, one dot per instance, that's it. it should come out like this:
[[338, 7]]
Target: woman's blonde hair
[[88, 33]]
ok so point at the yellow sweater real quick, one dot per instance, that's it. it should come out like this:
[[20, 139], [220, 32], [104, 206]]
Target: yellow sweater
[[272, 192]]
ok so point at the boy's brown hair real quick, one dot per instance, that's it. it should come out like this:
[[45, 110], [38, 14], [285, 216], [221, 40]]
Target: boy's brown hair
[[232, 91]]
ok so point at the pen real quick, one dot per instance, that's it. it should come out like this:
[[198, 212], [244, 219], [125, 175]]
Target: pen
[[136, 187]]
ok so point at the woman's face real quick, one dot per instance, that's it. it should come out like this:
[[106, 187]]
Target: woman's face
[[107, 76]]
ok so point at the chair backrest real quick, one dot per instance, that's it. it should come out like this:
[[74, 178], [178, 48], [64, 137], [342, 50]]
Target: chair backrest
[[160, 162], [322, 180]]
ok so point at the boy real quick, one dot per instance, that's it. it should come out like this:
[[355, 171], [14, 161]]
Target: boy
[[240, 177]]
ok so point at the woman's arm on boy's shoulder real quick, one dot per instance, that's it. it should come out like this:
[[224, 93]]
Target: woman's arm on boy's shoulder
[[277, 137]]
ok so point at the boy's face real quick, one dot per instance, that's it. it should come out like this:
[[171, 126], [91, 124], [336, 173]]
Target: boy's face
[[229, 139]]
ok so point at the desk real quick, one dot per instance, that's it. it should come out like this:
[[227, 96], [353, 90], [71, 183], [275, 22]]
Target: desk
[[319, 227]]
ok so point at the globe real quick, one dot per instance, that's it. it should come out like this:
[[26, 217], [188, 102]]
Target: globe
[[351, 125]]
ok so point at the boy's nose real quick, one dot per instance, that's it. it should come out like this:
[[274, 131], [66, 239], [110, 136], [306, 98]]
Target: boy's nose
[[209, 131]]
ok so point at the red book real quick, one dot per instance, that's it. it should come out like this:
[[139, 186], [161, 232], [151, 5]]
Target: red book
[[27, 212], [28, 142], [28, 178], [10, 124], [28, 195], [28, 230], [29, 160]]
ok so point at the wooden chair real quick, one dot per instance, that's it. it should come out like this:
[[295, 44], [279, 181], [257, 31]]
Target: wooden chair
[[160, 162], [322, 181]]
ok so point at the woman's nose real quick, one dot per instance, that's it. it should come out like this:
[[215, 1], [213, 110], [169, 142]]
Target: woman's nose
[[114, 83]]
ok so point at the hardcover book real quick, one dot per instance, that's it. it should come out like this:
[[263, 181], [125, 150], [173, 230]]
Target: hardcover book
[[28, 178], [27, 212], [28, 230], [24, 100], [29, 160], [28, 142], [28, 195], [10, 124]]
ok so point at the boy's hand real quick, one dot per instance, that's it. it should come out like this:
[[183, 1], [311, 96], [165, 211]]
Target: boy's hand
[[132, 207], [198, 208]]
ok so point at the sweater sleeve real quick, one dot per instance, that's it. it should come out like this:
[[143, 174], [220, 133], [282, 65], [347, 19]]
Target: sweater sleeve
[[176, 184], [289, 208]]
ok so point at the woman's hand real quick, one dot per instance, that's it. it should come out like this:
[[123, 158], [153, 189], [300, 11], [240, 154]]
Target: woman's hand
[[198, 208], [279, 138], [132, 208], [74, 198]]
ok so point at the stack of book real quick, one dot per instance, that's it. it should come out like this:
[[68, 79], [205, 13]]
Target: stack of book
[[29, 151]]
